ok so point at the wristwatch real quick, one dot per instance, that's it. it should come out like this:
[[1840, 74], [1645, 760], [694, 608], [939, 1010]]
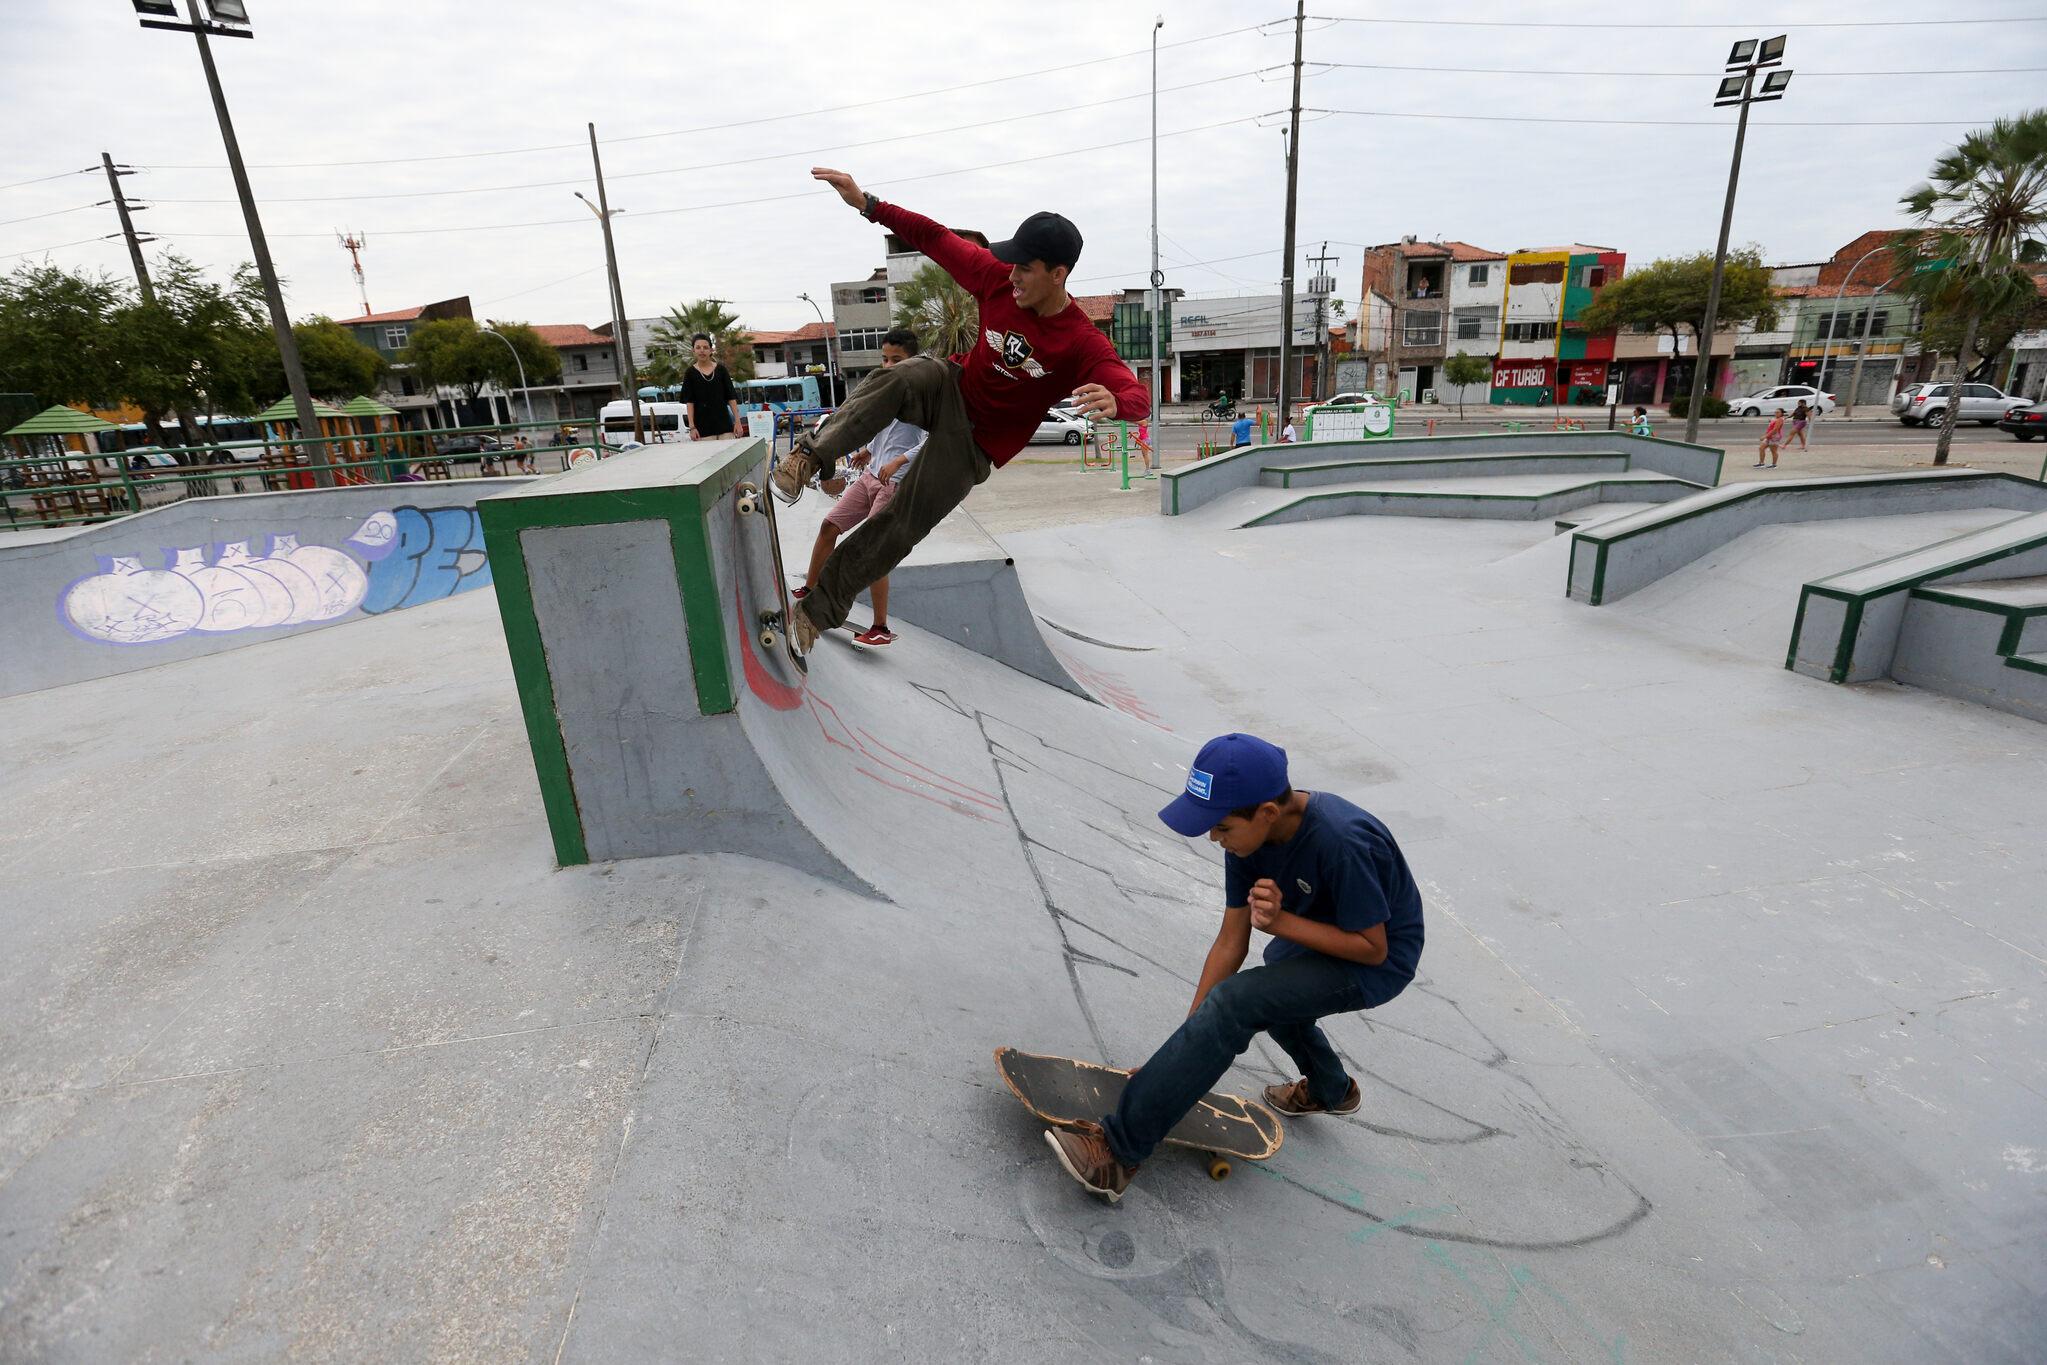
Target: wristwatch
[[867, 210]]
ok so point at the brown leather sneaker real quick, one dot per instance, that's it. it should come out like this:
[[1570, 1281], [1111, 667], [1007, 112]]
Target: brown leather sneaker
[[1294, 1098], [1086, 1156], [793, 472]]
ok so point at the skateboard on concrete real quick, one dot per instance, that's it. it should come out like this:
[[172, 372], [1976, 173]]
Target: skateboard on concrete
[[1064, 1092], [773, 622]]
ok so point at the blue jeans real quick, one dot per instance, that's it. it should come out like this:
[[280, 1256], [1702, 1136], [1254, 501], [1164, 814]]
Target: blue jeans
[[1283, 1000]]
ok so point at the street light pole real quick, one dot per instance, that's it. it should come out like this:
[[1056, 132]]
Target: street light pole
[[1158, 278], [1862, 351], [831, 351], [1748, 57], [525, 391], [1834, 317], [602, 208], [259, 248]]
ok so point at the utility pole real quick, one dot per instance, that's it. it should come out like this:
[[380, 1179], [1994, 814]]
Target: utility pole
[[625, 338], [259, 247], [1321, 284], [1158, 277], [1286, 269], [143, 284], [1748, 57]]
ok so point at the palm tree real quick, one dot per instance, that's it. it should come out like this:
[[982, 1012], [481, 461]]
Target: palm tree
[[944, 316], [1982, 213], [730, 343]]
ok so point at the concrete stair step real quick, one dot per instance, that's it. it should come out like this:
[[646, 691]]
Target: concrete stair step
[[1328, 472], [1520, 497]]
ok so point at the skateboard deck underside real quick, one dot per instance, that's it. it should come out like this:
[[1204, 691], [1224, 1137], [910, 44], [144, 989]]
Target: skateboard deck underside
[[1066, 1092]]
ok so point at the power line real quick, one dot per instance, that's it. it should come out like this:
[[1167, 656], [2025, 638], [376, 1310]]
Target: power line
[[507, 298], [748, 160], [1659, 122], [719, 127], [1687, 75], [53, 213], [1591, 23], [40, 179], [768, 199], [42, 250]]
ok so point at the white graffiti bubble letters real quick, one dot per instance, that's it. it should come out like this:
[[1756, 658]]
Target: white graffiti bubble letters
[[275, 597], [126, 604], [339, 580], [231, 600]]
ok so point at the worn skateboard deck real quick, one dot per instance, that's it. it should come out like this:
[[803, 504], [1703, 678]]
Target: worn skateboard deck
[[772, 621], [1064, 1092]]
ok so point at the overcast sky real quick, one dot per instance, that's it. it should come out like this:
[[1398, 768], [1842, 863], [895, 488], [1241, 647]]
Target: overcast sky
[[712, 114]]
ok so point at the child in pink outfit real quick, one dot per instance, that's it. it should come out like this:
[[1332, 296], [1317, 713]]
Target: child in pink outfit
[[1773, 437]]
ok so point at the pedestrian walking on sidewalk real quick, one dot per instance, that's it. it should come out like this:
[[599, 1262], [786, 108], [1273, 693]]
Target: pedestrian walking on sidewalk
[[1800, 415], [1773, 437]]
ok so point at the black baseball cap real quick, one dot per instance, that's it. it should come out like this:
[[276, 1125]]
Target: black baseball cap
[[1046, 237]]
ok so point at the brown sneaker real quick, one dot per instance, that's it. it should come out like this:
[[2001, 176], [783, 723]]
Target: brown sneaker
[[793, 473], [802, 630], [1086, 1156], [1295, 1099]]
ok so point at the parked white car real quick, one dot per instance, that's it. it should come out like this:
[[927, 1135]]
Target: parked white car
[[1783, 396], [1063, 425], [1985, 403]]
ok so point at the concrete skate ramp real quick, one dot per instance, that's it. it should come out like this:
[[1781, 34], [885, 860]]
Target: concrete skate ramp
[[1617, 557], [210, 574], [1183, 490], [659, 717], [1744, 596]]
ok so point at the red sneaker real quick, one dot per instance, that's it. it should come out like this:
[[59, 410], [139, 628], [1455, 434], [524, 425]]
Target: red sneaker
[[798, 594], [875, 635]]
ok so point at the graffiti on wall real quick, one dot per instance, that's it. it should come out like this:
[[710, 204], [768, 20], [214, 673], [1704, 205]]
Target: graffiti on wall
[[400, 558]]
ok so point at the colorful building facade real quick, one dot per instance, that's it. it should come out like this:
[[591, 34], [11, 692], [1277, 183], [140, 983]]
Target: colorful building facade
[[1544, 356]]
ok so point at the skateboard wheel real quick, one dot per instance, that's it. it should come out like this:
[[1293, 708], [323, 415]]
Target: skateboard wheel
[[770, 638], [749, 503], [1218, 1169]]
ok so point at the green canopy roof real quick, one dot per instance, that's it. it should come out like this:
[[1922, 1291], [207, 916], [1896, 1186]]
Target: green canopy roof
[[60, 421], [284, 410], [365, 406]]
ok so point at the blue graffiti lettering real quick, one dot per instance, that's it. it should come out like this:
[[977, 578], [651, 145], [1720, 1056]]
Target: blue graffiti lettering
[[435, 553]]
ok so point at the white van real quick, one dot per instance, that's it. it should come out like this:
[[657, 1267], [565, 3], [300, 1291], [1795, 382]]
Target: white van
[[660, 422]]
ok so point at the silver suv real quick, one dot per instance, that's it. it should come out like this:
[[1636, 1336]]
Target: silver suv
[[1984, 403]]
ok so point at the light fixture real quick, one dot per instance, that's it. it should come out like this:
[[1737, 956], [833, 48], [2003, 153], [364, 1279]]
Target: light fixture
[[1775, 84], [1731, 88], [166, 8], [1743, 51], [1773, 51]]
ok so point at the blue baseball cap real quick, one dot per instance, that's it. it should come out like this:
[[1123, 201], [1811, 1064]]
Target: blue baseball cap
[[1230, 772]]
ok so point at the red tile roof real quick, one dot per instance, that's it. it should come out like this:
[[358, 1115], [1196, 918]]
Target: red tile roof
[[397, 315], [1823, 291], [813, 331], [570, 334], [1098, 307]]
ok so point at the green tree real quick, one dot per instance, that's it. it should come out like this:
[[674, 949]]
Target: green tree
[[1981, 214], [59, 337], [669, 351], [1670, 296], [455, 353], [1461, 370], [944, 316]]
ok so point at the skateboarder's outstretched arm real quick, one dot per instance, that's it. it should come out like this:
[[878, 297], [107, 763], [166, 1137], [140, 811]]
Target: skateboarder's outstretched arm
[[975, 267]]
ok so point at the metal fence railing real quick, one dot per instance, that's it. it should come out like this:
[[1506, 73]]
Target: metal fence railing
[[76, 488]]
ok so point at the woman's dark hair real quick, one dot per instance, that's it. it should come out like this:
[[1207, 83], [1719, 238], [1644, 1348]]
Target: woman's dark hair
[[903, 337], [704, 337], [1246, 812]]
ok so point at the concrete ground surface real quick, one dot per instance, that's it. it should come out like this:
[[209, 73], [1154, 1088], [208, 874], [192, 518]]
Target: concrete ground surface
[[1725, 1044]]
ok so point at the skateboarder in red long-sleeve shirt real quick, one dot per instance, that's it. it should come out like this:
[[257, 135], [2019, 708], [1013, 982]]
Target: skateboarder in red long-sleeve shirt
[[1036, 347]]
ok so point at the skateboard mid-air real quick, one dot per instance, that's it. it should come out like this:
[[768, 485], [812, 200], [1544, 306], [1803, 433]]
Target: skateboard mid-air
[[1064, 1092], [772, 621]]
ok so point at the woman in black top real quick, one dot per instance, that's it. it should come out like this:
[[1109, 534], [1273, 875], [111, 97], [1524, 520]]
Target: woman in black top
[[709, 391]]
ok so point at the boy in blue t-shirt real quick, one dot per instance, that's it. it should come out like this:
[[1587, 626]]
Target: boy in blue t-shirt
[[1240, 432], [1328, 882]]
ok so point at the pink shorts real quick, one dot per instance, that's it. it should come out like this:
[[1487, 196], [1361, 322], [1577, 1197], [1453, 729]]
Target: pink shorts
[[863, 498]]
